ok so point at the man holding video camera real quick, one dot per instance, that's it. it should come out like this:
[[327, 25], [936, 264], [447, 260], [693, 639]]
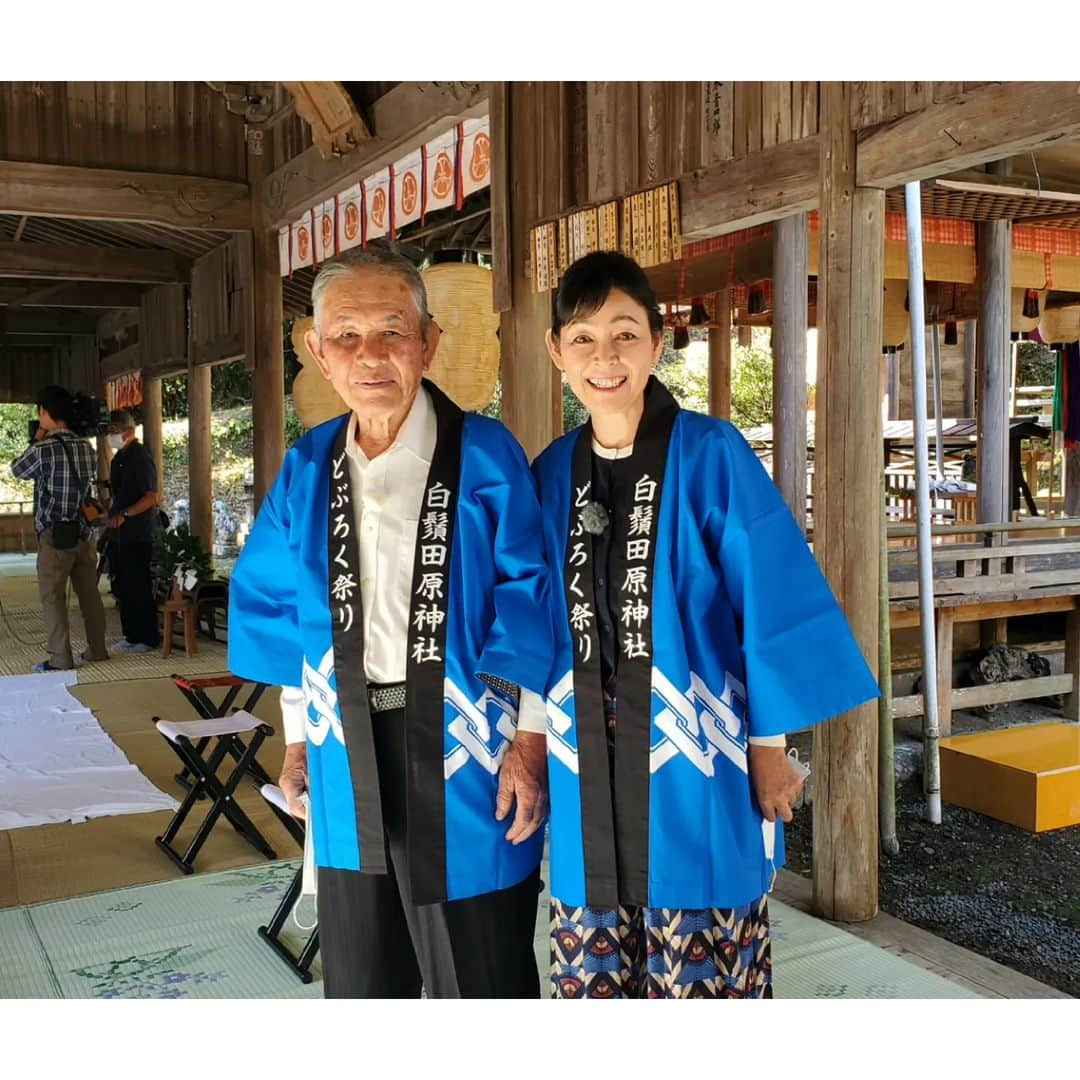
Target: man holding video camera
[[62, 464]]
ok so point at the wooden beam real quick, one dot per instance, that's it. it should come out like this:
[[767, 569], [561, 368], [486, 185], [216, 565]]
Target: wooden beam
[[264, 346], [17, 321], [336, 125], [847, 519], [407, 116], [993, 246], [68, 294], [200, 455], [178, 202], [992, 122], [151, 417], [981, 183], [789, 363], [501, 270], [80, 263], [120, 363], [532, 390], [747, 191], [720, 358]]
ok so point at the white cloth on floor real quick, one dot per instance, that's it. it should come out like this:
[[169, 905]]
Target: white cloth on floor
[[56, 761]]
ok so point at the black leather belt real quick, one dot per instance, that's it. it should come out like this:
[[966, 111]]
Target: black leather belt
[[383, 698]]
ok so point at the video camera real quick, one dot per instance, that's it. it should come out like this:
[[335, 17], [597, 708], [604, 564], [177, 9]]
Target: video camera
[[89, 417]]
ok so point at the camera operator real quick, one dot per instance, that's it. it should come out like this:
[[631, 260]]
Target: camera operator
[[62, 466], [132, 519]]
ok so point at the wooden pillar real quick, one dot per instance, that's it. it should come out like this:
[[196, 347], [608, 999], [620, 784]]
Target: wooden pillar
[[720, 358], [200, 471], [789, 363], [531, 387], [1071, 462], [847, 517], [265, 333], [746, 336], [993, 257], [969, 369], [892, 383], [151, 413], [104, 451]]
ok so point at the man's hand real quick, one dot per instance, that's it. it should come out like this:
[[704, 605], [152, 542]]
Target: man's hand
[[776, 782], [523, 778], [293, 778], [40, 433], [116, 522]]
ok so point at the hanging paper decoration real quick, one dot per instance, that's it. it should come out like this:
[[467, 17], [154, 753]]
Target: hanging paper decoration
[[283, 250], [302, 252], [325, 247], [474, 164], [377, 205], [433, 177], [439, 172], [350, 218], [408, 192], [125, 391]]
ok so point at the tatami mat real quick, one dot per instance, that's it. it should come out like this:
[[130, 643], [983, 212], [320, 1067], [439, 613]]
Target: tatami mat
[[22, 644], [196, 938]]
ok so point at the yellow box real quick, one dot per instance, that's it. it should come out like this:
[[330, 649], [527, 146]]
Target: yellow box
[[1028, 776]]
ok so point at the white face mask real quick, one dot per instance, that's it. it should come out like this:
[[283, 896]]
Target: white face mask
[[116, 441]]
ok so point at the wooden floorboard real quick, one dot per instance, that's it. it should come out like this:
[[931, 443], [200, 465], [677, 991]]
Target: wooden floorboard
[[982, 976]]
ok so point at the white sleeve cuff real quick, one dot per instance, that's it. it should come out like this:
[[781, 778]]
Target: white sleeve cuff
[[532, 713], [294, 714], [768, 740]]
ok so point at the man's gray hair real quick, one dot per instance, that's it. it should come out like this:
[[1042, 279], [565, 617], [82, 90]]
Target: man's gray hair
[[377, 258]]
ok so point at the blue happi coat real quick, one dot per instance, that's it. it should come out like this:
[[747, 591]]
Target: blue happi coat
[[295, 619], [728, 629]]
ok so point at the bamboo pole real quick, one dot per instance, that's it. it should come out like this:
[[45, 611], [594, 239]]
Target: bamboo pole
[[917, 298]]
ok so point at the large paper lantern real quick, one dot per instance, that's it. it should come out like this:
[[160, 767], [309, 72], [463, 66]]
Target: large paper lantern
[[315, 398], [466, 364], [1060, 325], [1018, 321]]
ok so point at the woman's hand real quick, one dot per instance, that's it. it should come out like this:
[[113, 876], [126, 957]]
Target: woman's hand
[[776, 781]]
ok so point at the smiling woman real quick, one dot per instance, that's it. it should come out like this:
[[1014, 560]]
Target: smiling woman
[[692, 629]]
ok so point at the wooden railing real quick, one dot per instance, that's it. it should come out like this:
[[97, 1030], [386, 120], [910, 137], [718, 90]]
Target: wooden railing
[[991, 582]]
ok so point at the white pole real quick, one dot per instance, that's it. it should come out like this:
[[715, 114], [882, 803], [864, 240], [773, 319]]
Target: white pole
[[917, 299]]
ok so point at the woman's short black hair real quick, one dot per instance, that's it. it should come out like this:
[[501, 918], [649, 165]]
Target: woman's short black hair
[[56, 401], [588, 282]]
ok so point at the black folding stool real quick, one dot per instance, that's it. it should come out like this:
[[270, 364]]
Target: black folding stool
[[188, 740], [298, 963], [195, 693]]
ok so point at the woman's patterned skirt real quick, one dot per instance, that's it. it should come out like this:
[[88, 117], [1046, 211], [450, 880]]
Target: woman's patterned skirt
[[644, 952]]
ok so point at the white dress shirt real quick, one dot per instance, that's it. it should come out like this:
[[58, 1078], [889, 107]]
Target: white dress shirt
[[388, 491], [625, 452]]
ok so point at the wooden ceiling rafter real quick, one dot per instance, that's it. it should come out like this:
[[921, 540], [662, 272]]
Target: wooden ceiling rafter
[[336, 124]]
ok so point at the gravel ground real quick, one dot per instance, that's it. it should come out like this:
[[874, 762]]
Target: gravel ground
[[1005, 893]]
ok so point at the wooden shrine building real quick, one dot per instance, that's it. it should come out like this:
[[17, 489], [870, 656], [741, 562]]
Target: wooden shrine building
[[158, 228]]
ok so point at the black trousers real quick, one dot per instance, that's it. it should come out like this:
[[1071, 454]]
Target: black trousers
[[134, 591], [375, 943]]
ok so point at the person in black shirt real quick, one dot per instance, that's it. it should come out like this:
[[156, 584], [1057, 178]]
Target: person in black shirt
[[132, 519]]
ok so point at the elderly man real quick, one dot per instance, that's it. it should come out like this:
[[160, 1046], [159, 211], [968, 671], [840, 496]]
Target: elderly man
[[394, 584], [133, 522]]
